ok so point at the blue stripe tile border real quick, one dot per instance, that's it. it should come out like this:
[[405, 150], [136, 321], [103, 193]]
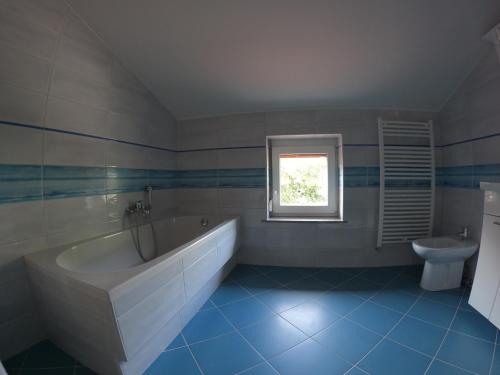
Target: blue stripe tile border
[[30, 182], [20, 183], [43, 128]]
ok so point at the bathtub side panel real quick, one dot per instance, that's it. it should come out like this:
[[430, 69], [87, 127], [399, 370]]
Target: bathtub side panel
[[141, 323], [200, 272], [79, 319], [227, 241]]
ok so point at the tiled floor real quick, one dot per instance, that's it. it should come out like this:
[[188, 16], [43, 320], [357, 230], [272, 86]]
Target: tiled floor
[[270, 320]]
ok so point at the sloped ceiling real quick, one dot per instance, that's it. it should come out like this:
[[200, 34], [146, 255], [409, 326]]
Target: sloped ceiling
[[214, 57]]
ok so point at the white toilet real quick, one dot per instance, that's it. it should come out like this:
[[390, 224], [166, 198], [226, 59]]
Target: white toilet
[[444, 260]]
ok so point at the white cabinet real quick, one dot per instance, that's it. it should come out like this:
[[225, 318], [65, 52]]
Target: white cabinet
[[485, 294]]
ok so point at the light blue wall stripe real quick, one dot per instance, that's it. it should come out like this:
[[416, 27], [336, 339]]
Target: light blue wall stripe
[[20, 183], [28, 182]]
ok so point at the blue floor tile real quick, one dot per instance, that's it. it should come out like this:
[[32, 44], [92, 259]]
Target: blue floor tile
[[433, 312], [258, 284], [311, 285], [177, 343], [441, 368], [418, 335], [495, 367], [474, 324], [80, 370], [380, 275], [283, 299], [414, 272], [348, 340], [245, 312], [242, 271], [406, 284], [361, 287], [207, 306], [262, 369], [376, 318], [47, 371], [206, 325], [273, 336], [395, 300], [16, 361], [467, 352], [389, 358], [353, 271], [356, 371], [310, 317], [178, 361], [333, 276], [339, 301], [450, 297], [47, 355], [228, 292], [464, 305], [315, 302], [309, 357], [286, 275], [227, 354]]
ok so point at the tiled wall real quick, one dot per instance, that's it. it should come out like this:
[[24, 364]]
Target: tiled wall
[[213, 146], [79, 139], [470, 145]]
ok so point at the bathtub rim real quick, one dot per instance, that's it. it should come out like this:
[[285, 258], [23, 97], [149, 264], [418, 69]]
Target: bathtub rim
[[112, 281]]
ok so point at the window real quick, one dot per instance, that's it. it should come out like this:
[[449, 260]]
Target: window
[[304, 177]]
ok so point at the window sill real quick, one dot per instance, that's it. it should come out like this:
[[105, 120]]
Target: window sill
[[304, 220]]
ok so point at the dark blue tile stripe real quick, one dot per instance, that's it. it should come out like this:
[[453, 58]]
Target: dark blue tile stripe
[[38, 127]]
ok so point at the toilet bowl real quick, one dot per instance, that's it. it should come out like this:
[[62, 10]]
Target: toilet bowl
[[444, 260]]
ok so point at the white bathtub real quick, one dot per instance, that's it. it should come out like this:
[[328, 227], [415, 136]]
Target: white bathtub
[[114, 312]]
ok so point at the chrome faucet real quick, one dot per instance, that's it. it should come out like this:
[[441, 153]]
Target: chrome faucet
[[464, 234], [137, 208]]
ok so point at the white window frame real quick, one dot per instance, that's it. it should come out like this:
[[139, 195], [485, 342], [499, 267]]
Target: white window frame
[[330, 144]]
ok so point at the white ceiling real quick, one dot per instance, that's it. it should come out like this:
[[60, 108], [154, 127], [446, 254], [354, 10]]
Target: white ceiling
[[213, 57]]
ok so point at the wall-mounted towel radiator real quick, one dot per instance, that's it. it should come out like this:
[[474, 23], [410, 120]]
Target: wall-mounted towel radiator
[[407, 181]]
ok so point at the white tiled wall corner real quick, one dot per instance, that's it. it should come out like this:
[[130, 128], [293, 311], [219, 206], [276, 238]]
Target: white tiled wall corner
[[472, 111], [56, 73]]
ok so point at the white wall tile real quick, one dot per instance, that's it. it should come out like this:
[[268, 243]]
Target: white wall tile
[[95, 64], [87, 84], [20, 145], [21, 105], [127, 127], [242, 198], [123, 78], [72, 116], [11, 253], [196, 134], [76, 87], [78, 32], [197, 160], [21, 332], [66, 149], [24, 70], [21, 221], [75, 213], [126, 156], [19, 32], [159, 159], [242, 158]]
